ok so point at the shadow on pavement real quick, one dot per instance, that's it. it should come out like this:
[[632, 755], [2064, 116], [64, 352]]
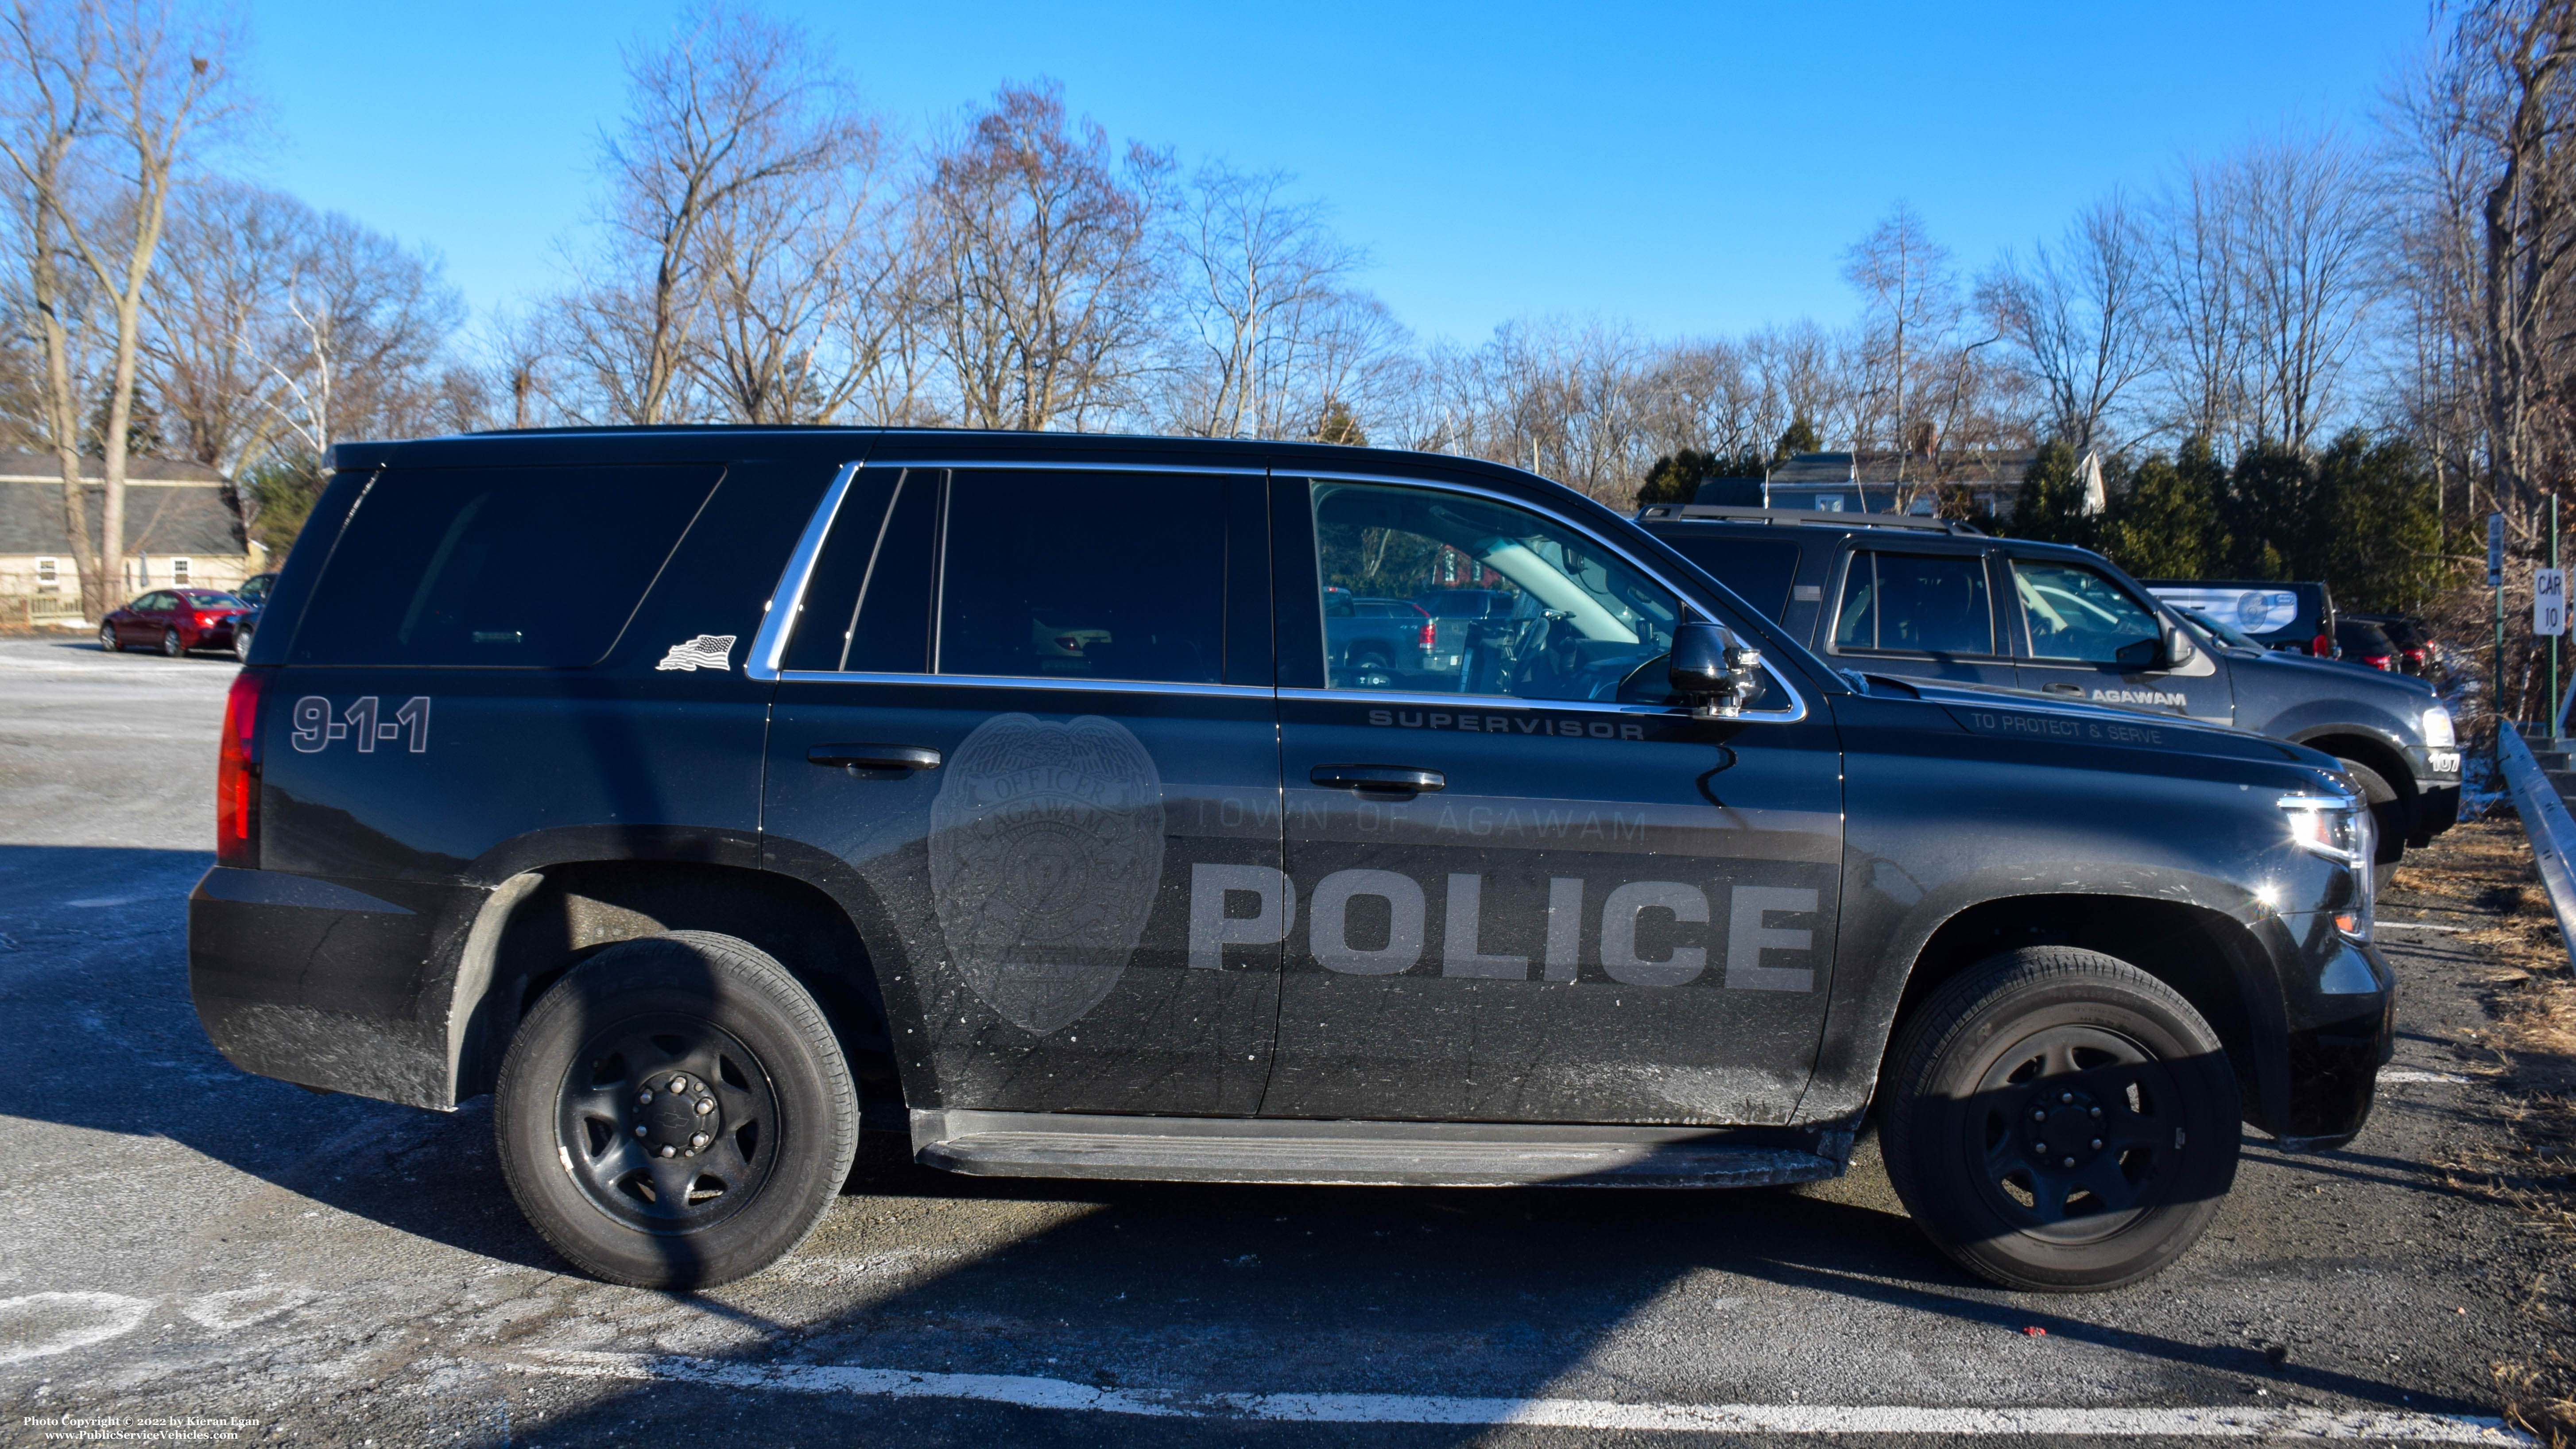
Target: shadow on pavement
[[1357, 1290]]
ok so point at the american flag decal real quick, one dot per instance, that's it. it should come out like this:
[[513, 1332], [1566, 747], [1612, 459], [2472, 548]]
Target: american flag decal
[[707, 651]]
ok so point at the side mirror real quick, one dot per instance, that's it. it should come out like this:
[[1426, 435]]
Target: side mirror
[[1712, 669], [2179, 650]]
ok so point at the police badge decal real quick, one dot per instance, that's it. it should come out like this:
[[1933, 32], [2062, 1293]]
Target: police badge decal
[[1046, 850]]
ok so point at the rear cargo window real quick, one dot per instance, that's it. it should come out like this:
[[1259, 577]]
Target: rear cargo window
[[535, 567], [1759, 570]]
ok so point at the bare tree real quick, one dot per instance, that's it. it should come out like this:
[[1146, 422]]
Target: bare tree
[[2196, 278], [229, 257], [1260, 285], [1043, 275], [739, 107], [2310, 277], [107, 102], [2076, 320], [1911, 311]]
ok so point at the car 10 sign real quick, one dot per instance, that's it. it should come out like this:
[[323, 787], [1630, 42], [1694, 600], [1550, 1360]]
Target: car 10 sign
[[2549, 601]]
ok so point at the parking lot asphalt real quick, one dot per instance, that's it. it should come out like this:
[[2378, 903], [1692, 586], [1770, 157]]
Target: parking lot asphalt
[[180, 1241]]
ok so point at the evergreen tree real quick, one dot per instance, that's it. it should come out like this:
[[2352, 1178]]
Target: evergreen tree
[[2051, 504], [1798, 437], [1676, 477], [2382, 546], [2164, 525], [2273, 514], [1336, 425]]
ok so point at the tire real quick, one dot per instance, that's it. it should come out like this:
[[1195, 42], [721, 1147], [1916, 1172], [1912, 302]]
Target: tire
[[2388, 813], [621, 1186], [170, 646], [107, 641], [2085, 1042], [241, 643]]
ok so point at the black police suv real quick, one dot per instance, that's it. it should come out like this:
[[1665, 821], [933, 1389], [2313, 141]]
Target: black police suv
[[1926, 599], [705, 792]]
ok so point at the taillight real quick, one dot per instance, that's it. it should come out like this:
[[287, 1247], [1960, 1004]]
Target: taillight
[[1430, 634], [2378, 661], [2322, 646], [237, 775]]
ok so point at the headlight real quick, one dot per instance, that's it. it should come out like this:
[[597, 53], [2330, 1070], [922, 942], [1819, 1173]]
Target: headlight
[[2438, 732], [2340, 828]]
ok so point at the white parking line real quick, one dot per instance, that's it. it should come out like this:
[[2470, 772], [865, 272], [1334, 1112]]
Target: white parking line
[[1042, 1393], [2416, 926], [2402, 1074]]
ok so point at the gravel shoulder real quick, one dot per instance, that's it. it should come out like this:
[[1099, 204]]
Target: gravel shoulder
[[177, 1239]]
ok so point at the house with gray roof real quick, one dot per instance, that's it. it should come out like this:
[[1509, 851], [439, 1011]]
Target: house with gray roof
[[1883, 481], [180, 529]]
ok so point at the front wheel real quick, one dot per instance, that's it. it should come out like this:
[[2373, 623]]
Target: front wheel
[[2059, 1120], [676, 1112]]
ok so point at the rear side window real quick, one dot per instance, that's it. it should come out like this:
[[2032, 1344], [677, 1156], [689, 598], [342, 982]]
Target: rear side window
[[1916, 604], [528, 567], [1759, 570], [1083, 575]]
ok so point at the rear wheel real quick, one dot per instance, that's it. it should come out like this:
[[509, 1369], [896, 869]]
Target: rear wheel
[[676, 1112], [170, 646], [2387, 812], [107, 639], [2059, 1120]]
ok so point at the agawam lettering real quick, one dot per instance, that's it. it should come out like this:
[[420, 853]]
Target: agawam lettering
[[1750, 929]]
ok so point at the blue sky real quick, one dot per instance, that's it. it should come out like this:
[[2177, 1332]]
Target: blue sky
[[1690, 168]]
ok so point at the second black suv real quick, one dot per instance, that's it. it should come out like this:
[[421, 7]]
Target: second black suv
[[1925, 599]]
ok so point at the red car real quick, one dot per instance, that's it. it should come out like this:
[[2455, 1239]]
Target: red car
[[173, 621]]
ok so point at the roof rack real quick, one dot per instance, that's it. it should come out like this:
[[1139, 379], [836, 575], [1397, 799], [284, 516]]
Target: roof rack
[[1733, 514]]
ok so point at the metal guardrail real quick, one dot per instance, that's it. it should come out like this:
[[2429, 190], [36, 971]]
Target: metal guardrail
[[2546, 820]]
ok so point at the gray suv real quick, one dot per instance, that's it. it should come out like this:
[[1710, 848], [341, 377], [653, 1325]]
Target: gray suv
[[1928, 599]]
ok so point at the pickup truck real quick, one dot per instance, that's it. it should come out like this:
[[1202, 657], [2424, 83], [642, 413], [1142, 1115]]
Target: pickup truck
[[1924, 599]]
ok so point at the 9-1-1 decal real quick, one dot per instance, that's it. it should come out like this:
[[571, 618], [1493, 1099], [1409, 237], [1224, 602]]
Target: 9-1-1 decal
[[315, 728]]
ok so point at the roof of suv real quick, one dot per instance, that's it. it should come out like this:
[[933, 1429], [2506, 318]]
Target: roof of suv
[[1723, 513]]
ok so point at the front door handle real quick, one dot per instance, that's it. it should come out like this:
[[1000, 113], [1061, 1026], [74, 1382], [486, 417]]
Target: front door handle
[[2074, 689], [875, 757], [1378, 779]]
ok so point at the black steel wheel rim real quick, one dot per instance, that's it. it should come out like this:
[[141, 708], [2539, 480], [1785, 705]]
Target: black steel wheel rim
[[668, 1123], [2074, 1132]]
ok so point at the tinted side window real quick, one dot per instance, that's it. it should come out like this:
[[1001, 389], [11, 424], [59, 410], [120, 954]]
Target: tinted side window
[[496, 566], [867, 607], [2076, 613], [1759, 570], [1916, 603], [1083, 575]]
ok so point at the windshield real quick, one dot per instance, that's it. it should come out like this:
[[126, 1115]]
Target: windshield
[[2216, 630]]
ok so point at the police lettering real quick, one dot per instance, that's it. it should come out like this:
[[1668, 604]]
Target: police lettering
[[1256, 905]]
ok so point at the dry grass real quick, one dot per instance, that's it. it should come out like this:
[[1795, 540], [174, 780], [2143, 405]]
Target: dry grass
[[2482, 871]]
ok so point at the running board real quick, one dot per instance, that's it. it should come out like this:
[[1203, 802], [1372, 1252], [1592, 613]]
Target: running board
[[1405, 1154]]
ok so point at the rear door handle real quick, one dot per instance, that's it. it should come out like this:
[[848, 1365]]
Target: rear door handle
[[875, 757], [1378, 779], [2074, 689]]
